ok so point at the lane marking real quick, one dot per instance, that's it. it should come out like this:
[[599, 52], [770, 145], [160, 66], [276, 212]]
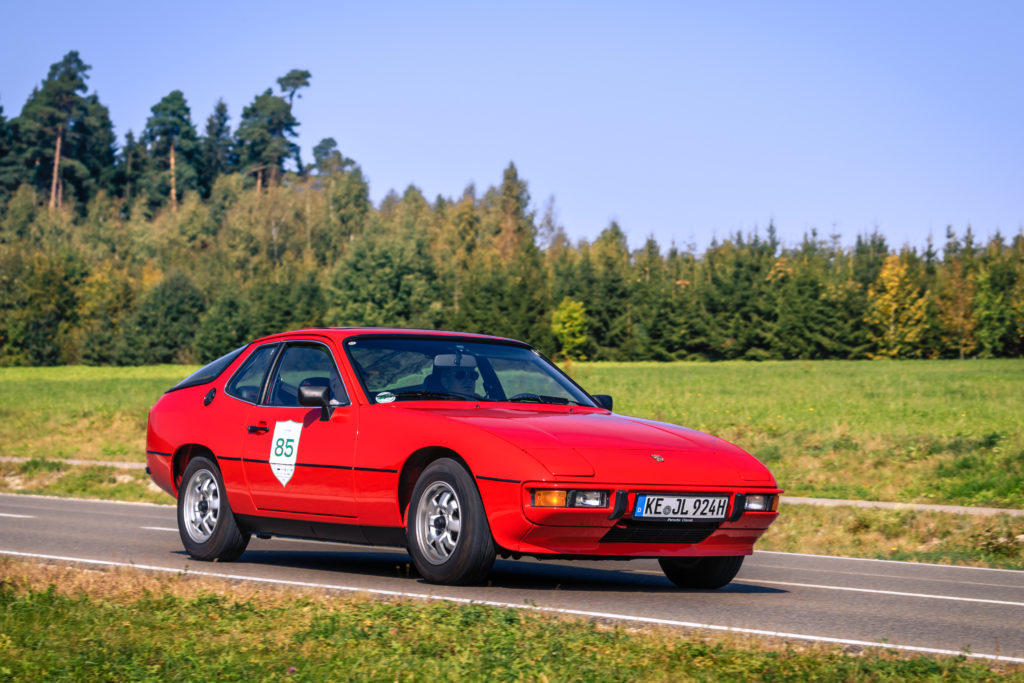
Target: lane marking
[[899, 593], [861, 590], [960, 581], [875, 559], [310, 541], [18, 496], [170, 506], [11, 514], [187, 570]]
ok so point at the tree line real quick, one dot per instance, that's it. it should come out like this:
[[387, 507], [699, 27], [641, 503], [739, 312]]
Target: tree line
[[177, 246]]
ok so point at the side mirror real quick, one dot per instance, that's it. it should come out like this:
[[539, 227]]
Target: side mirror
[[603, 400], [315, 396]]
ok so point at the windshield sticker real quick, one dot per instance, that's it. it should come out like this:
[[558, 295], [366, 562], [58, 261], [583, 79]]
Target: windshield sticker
[[385, 397], [284, 450]]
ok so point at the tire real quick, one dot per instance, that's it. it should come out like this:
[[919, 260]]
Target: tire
[[446, 528], [701, 572], [205, 522]]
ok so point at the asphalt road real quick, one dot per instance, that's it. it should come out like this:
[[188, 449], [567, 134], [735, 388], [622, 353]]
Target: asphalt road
[[857, 603]]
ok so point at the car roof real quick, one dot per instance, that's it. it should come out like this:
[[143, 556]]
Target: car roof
[[341, 333]]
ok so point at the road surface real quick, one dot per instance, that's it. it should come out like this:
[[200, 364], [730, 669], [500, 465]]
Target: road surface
[[857, 603]]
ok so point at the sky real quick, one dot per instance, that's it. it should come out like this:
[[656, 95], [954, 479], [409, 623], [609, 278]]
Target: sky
[[685, 121]]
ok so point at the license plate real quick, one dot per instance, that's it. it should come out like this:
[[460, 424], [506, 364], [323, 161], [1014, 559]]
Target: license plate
[[649, 506]]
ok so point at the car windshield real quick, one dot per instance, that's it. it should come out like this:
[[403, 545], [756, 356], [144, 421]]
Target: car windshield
[[436, 368]]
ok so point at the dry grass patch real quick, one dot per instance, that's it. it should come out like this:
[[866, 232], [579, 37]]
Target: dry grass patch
[[58, 478], [908, 535]]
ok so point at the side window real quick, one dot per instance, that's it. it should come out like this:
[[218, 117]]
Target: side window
[[301, 366], [247, 381]]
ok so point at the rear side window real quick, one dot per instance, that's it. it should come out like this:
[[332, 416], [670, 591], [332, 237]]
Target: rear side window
[[208, 373], [248, 380]]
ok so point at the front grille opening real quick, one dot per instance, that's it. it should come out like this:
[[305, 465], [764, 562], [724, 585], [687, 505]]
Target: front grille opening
[[631, 531]]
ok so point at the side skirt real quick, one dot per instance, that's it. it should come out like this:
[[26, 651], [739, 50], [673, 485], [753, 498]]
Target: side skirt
[[323, 531]]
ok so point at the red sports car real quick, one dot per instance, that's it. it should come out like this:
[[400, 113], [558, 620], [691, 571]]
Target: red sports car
[[459, 447]]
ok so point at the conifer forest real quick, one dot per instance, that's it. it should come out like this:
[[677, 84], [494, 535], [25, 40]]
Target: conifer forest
[[186, 239]]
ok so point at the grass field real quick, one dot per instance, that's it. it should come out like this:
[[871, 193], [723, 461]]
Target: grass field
[[929, 431], [62, 623], [910, 431]]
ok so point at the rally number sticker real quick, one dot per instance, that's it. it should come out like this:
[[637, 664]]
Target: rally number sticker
[[284, 450]]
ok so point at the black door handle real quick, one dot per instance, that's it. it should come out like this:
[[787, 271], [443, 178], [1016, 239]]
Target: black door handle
[[258, 429]]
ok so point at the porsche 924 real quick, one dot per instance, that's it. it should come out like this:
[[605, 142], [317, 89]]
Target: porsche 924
[[458, 447]]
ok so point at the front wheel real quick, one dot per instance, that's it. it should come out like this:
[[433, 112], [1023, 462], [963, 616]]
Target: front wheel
[[446, 528], [205, 523], [701, 572]]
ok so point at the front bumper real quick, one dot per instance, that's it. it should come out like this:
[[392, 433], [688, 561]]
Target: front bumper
[[590, 533]]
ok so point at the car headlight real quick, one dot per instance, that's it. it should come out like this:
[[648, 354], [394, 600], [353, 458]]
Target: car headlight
[[759, 502], [562, 498]]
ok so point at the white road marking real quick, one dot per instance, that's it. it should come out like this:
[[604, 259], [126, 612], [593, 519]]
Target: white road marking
[[275, 538], [960, 581], [11, 514], [899, 593], [169, 506], [861, 590], [875, 559], [554, 610]]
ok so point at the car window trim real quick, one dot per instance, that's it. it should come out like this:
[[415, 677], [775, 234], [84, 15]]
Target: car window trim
[[285, 344], [263, 381], [357, 369]]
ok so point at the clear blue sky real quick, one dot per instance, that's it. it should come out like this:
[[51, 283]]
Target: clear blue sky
[[680, 120]]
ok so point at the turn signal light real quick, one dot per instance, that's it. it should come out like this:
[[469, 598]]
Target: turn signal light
[[560, 498], [549, 499]]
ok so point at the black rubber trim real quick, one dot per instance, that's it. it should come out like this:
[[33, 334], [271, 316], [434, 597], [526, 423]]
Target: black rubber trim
[[507, 481], [224, 457], [739, 505], [621, 500], [631, 531], [323, 531], [323, 466], [374, 469], [166, 455], [298, 464]]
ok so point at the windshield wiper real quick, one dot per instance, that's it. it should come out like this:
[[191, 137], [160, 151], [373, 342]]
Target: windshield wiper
[[541, 398], [438, 395]]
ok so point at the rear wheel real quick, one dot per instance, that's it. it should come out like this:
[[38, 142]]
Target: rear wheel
[[701, 572], [205, 522], [446, 528]]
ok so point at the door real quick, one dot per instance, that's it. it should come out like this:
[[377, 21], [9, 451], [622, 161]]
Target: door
[[293, 460]]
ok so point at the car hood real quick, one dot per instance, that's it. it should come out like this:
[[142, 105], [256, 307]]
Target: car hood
[[618, 448]]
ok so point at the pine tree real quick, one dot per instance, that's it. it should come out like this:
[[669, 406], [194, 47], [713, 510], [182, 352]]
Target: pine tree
[[263, 137], [47, 121], [216, 151], [172, 140]]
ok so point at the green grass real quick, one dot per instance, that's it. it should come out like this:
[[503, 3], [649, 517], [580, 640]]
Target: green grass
[[911, 431], [929, 431], [77, 412], [63, 624]]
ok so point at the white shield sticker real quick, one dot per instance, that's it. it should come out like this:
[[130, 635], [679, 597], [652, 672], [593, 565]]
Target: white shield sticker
[[284, 450]]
